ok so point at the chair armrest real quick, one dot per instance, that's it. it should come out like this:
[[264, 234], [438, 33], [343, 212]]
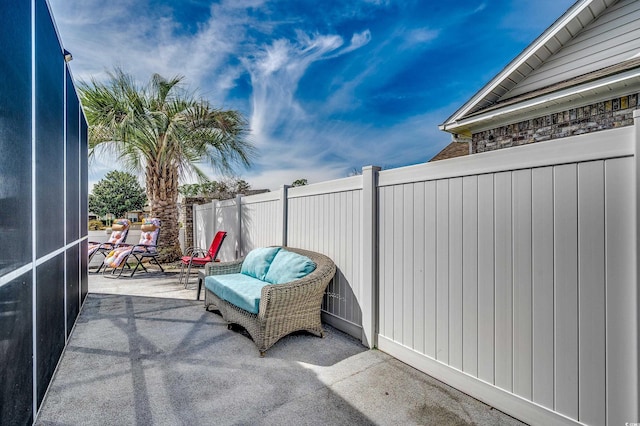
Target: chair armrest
[[221, 268], [191, 250], [195, 251], [146, 247]]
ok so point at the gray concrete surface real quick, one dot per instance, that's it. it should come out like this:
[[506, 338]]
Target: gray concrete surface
[[145, 352]]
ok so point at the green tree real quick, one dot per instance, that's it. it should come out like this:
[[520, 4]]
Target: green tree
[[241, 186], [118, 193], [164, 132], [190, 189], [300, 182], [222, 190]]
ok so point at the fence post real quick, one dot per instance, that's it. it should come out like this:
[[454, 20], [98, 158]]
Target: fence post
[[239, 250], [369, 253], [636, 344], [214, 216], [284, 212], [194, 226], [636, 122]]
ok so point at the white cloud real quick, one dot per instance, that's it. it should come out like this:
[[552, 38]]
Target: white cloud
[[421, 36], [276, 70], [480, 8], [357, 41]]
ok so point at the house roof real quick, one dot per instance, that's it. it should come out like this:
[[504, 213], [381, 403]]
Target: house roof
[[561, 32], [454, 149]]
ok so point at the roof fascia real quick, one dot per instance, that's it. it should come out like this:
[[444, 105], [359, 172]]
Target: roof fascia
[[475, 120]]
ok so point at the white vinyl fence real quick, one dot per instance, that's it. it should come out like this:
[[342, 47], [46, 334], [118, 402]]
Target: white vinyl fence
[[510, 275]]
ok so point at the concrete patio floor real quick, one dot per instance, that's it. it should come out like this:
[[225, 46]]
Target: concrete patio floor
[[145, 352]]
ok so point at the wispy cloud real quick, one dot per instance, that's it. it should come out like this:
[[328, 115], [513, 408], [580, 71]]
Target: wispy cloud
[[421, 36], [276, 70]]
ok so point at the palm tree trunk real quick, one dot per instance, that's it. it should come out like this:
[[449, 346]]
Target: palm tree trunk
[[162, 191]]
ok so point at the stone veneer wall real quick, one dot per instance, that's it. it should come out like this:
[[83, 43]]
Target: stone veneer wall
[[617, 112], [187, 214]]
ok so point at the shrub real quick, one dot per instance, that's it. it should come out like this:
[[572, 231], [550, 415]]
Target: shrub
[[95, 225]]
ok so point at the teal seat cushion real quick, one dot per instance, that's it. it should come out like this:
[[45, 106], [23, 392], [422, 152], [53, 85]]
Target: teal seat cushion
[[288, 266], [256, 263], [239, 289], [215, 283]]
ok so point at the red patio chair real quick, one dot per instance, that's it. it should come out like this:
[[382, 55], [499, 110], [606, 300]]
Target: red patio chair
[[196, 256]]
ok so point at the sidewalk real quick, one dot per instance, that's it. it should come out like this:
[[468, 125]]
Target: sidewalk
[[145, 352]]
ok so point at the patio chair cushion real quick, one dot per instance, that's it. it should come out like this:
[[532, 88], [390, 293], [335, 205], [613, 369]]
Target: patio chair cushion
[[240, 290], [119, 226], [149, 226], [256, 263], [288, 266]]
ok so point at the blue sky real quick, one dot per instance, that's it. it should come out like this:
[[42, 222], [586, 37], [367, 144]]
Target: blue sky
[[327, 87]]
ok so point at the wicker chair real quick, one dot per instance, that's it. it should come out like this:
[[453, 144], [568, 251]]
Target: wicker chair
[[284, 308]]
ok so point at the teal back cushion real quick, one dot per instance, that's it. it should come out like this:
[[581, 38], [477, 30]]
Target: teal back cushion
[[288, 266], [256, 263]]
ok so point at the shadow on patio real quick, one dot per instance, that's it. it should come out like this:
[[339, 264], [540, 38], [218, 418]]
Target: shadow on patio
[[163, 359]]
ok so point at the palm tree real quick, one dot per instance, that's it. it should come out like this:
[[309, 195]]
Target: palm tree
[[164, 132]]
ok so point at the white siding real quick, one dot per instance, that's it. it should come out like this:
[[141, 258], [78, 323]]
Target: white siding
[[612, 38]]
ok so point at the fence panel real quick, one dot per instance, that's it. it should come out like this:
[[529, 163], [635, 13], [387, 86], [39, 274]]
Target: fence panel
[[486, 278], [226, 219], [530, 267], [621, 287], [542, 282], [591, 270], [327, 218], [262, 220], [470, 275], [203, 224]]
